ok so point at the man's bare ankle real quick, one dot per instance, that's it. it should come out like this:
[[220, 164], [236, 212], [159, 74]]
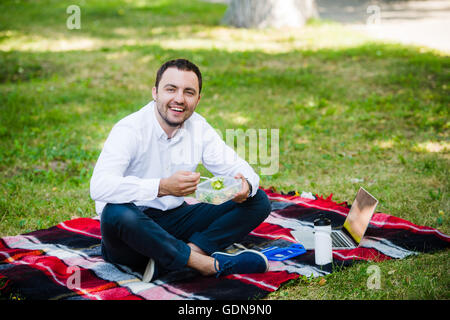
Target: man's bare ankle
[[202, 263], [196, 248]]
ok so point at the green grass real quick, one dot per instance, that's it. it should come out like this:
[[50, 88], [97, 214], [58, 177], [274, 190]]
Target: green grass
[[346, 107]]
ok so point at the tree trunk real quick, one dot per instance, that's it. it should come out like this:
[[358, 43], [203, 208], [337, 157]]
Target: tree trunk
[[269, 13]]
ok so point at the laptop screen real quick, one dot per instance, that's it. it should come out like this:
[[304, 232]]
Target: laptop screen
[[360, 214]]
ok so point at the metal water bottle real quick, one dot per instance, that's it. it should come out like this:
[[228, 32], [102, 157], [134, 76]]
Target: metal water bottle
[[322, 241]]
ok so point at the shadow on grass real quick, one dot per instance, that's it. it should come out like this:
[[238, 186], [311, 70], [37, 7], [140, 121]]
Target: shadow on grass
[[107, 19]]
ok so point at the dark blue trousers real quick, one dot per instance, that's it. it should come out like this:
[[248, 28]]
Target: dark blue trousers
[[131, 236]]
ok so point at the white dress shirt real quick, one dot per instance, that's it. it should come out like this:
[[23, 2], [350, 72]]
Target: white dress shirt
[[138, 153]]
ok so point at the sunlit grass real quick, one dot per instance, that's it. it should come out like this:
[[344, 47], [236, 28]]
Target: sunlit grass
[[432, 146], [191, 38]]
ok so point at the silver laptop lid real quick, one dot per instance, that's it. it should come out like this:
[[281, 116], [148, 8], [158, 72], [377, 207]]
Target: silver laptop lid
[[360, 214]]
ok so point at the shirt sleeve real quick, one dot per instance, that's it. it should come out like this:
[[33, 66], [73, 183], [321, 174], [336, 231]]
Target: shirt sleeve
[[221, 159], [108, 182]]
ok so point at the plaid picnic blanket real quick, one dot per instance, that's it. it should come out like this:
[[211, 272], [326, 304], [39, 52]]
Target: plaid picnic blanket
[[64, 261]]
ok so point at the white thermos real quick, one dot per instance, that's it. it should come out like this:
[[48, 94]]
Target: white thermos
[[322, 241]]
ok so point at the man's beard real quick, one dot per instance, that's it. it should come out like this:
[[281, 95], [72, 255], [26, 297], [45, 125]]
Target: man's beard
[[165, 117]]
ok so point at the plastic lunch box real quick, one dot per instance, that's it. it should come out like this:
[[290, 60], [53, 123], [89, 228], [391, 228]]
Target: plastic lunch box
[[206, 193]]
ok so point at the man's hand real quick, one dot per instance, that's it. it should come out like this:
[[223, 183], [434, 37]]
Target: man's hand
[[181, 183], [242, 195]]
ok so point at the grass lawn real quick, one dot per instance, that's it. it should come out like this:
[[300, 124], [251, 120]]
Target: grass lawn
[[347, 108]]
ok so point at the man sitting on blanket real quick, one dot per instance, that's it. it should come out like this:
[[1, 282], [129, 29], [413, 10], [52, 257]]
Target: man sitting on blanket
[[148, 165]]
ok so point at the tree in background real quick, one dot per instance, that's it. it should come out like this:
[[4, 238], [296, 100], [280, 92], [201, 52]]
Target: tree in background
[[269, 13]]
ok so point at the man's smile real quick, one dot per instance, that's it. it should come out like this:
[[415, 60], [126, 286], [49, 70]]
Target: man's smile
[[176, 109]]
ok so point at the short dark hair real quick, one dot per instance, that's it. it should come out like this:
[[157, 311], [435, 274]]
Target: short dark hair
[[180, 64]]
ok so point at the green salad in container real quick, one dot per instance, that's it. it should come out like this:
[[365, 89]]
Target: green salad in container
[[217, 190]]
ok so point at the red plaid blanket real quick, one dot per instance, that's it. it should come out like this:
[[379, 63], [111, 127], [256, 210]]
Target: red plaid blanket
[[64, 261]]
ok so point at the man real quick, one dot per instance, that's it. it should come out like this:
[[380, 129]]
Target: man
[[148, 165]]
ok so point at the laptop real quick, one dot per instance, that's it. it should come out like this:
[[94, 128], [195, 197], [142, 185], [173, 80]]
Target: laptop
[[350, 234]]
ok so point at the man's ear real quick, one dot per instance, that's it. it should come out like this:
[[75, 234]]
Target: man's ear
[[154, 93]]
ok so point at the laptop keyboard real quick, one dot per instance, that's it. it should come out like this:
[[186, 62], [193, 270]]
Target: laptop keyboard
[[338, 240]]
